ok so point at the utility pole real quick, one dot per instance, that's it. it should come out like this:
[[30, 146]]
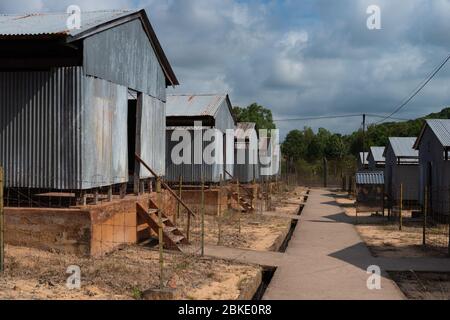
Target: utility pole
[[364, 135]]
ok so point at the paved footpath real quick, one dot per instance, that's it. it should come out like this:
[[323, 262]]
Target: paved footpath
[[326, 259]]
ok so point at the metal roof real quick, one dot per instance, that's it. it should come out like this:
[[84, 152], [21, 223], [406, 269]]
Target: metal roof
[[404, 147], [54, 23], [48, 25], [372, 178], [363, 157], [195, 105], [378, 154], [440, 128]]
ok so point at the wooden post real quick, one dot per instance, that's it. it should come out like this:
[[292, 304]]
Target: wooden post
[[96, 195], [110, 193], [401, 208], [160, 234], [425, 213], [219, 214], [203, 216], [2, 224], [239, 205], [325, 173], [123, 190], [180, 190]]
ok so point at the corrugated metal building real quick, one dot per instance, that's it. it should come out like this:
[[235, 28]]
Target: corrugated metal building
[[363, 164], [66, 117], [246, 167], [402, 168], [376, 158], [270, 158], [212, 112], [433, 145], [369, 191]]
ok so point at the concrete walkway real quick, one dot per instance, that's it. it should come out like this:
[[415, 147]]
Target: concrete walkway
[[326, 259]]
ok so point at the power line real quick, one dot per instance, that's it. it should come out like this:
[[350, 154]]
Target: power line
[[334, 117], [418, 89]]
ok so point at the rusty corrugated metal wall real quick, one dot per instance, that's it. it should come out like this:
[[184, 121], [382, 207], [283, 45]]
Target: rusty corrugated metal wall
[[40, 136]]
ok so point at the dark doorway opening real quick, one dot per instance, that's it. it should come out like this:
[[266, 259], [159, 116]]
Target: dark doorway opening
[[132, 119]]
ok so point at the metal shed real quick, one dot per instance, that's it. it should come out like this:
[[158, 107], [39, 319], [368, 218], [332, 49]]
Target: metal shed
[[376, 158], [270, 158], [433, 145], [66, 117], [246, 167], [369, 191], [402, 169], [184, 113], [363, 164]]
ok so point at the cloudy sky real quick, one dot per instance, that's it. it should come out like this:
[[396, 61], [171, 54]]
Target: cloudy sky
[[301, 58]]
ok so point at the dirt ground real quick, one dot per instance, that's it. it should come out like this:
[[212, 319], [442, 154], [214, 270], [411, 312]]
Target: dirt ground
[[383, 237], [123, 275], [257, 232], [129, 272], [423, 285]]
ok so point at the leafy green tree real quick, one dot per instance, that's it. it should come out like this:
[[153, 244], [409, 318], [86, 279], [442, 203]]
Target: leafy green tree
[[255, 113]]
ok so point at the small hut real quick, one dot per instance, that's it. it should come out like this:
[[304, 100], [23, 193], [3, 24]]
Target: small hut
[[402, 169], [246, 164], [195, 118], [369, 191], [363, 164], [376, 159], [433, 145]]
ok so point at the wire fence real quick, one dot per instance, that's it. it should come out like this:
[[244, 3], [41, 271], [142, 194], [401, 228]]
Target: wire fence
[[114, 230], [426, 213]]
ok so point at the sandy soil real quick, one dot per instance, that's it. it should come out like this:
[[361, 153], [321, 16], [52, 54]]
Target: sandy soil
[[384, 238], [125, 274], [257, 232], [423, 285]]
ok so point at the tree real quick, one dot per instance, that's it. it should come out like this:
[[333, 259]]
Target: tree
[[255, 113]]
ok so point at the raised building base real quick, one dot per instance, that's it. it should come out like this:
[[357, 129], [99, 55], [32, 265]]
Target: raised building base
[[86, 231]]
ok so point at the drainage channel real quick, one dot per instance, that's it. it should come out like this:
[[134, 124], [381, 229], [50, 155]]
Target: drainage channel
[[288, 238], [267, 275], [269, 272]]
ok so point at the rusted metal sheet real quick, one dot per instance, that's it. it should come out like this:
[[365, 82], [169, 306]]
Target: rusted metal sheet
[[131, 60], [40, 130]]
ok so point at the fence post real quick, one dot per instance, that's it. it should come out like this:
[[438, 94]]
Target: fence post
[[180, 190], [400, 214], [160, 234], [219, 215], [2, 224], [203, 215], [239, 205], [425, 213]]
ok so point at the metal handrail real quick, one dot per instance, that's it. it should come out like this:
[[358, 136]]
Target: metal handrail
[[166, 186]]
